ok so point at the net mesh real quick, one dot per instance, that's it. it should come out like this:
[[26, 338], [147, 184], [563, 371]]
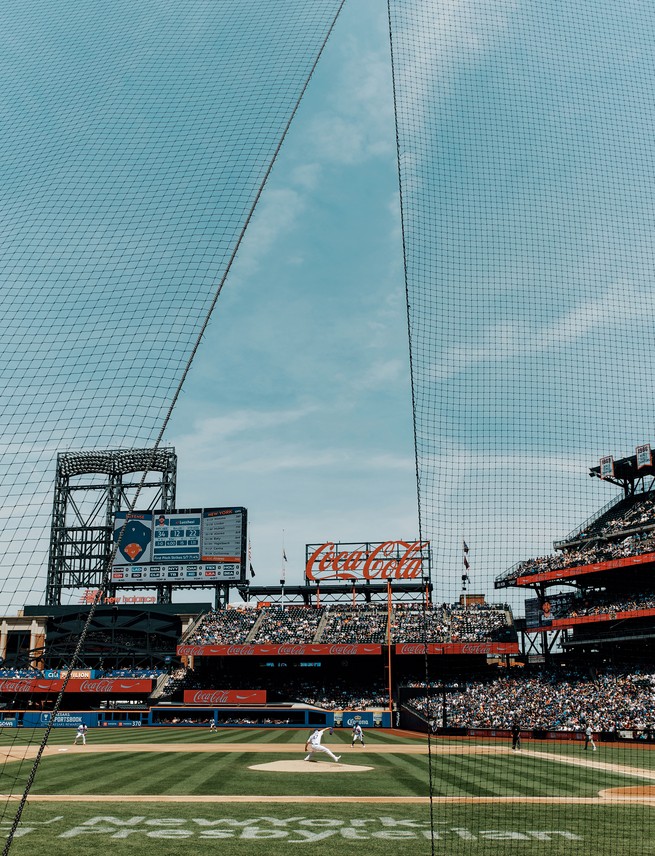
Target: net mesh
[[526, 170], [136, 139], [134, 145], [526, 178], [134, 142]]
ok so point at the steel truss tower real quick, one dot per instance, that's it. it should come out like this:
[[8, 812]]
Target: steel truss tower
[[90, 487]]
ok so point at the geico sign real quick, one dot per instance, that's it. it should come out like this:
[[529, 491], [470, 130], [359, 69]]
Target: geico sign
[[392, 560]]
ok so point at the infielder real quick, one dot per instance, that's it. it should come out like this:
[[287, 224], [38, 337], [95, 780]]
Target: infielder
[[313, 745], [358, 734], [81, 732]]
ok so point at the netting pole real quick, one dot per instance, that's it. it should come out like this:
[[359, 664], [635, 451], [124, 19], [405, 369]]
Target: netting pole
[[416, 463]]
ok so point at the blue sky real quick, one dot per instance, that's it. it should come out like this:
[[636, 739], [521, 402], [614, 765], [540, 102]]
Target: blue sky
[[299, 403], [526, 150]]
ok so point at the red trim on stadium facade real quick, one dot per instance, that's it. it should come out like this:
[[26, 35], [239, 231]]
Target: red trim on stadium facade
[[582, 570], [561, 623], [77, 685], [212, 697], [245, 650], [459, 648]]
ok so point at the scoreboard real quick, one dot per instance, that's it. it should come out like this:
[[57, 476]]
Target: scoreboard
[[194, 545]]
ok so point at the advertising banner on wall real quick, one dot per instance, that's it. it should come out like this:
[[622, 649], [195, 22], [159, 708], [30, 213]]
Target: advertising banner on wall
[[458, 648], [212, 697], [110, 686], [245, 650], [396, 561]]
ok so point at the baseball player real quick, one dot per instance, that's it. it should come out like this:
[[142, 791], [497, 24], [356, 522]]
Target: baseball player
[[314, 744], [589, 738], [81, 732], [358, 734]]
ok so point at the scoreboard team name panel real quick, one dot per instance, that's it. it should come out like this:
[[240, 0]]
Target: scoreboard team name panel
[[195, 545]]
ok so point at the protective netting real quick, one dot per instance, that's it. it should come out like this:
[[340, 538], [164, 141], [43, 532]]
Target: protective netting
[[134, 141], [527, 177], [526, 167]]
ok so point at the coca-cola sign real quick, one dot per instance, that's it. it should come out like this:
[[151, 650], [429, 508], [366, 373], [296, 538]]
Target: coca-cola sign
[[212, 697], [396, 561], [245, 650], [78, 685], [458, 648]]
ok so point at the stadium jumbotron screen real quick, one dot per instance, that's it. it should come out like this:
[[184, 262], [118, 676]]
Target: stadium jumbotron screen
[[193, 545]]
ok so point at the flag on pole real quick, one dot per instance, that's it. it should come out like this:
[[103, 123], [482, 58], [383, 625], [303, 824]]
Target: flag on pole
[[465, 546], [283, 572], [252, 570]]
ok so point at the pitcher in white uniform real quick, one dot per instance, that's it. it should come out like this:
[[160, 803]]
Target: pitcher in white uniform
[[314, 745]]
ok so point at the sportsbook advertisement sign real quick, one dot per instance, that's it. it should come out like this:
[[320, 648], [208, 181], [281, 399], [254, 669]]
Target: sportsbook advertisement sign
[[190, 545]]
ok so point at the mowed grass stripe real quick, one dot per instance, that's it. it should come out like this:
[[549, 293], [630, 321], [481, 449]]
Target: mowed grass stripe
[[408, 774], [465, 773]]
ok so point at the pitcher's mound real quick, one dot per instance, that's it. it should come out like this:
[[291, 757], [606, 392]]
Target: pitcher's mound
[[309, 767]]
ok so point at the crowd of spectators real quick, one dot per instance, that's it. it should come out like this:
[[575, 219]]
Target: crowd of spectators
[[354, 624], [598, 603], [293, 624], [348, 624], [561, 700], [626, 530], [224, 627]]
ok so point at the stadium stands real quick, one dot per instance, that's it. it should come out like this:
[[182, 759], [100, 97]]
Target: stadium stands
[[549, 699], [352, 624], [627, 529]]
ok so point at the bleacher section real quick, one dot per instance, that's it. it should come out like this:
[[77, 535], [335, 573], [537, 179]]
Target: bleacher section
[[355, 625], [626, 529]]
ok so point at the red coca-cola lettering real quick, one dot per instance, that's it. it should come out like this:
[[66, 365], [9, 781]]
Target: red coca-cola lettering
[[390, 560]]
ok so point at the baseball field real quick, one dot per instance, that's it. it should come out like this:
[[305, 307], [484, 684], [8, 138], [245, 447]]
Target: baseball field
[[183, 791]]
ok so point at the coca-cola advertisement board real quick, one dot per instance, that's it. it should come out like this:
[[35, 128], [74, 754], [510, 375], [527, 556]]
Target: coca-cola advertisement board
[[393, 561], [458, 648], [245, 650], [213, 697], [109, 686]]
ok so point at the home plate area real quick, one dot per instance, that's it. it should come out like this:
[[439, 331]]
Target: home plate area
[[309, 767]]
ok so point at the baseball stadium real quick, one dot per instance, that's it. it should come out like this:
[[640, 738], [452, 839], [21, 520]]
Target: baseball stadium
[[327, 499]]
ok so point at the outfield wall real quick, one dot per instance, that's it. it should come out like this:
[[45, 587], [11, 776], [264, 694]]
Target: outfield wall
[[196, 717]]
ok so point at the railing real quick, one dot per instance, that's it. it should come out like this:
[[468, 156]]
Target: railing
[[557, 545]]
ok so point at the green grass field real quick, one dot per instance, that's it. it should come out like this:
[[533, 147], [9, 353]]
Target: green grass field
[[186, 791]]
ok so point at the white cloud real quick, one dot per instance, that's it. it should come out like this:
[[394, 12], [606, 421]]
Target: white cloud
[[620, 305]]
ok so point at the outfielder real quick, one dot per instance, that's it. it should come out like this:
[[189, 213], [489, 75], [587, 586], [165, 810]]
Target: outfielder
[[589, 738], [313, 745], [358, 734]]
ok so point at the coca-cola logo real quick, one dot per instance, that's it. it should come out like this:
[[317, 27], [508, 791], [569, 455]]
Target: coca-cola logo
[[16, 686], [411, 649], [211, 697], [391, 560], [191, 650], [246, 650], [96, 686]]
